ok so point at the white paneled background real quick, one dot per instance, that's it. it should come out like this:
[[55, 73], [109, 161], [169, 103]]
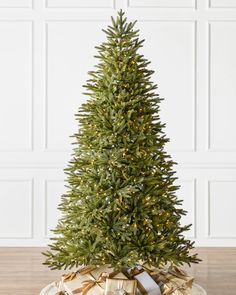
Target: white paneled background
[[46, 49]]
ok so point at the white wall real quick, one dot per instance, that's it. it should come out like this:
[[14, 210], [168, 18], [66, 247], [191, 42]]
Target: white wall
[[46, 49]]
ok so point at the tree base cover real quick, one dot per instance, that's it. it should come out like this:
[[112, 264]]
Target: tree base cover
[[140, 280], [52, 289]]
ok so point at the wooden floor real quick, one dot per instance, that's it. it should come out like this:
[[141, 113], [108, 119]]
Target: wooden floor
[[22, 272]]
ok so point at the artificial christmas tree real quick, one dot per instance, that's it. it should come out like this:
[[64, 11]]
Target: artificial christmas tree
[[121, 205]]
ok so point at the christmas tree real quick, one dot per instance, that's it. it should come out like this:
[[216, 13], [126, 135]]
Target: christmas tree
[[121, 205]]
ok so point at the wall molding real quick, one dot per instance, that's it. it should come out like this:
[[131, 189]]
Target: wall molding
[[194, 94], [193, 181], [46, 182], [209, 94], [209, 235], [111, 4], [193, 5], [31, 5], [211, 5], [31, 89], [30, 181]]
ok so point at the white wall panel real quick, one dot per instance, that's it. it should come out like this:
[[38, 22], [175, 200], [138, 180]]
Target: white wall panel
[[53, 192], [162, 3], [16, 85], [173, 59], [15, 3], [69, 58], [222, 86], [222, 3], [80, 3], [221, 209], [16, 208], [187, 193]]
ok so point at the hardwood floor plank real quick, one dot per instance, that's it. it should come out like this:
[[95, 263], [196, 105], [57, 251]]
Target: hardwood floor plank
[[217, 272]]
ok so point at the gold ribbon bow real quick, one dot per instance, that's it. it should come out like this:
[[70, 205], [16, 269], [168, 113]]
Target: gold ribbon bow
[[171, 282], [178, 272], [135, 271], [88, 284], [69, 276], [182, 274]]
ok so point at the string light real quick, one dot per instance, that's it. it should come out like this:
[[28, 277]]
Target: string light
[[119, 97]]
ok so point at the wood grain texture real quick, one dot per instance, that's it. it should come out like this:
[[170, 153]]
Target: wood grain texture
[[22, 272]]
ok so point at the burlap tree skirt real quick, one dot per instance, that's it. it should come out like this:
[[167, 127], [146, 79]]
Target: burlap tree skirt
[[51, 289]]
